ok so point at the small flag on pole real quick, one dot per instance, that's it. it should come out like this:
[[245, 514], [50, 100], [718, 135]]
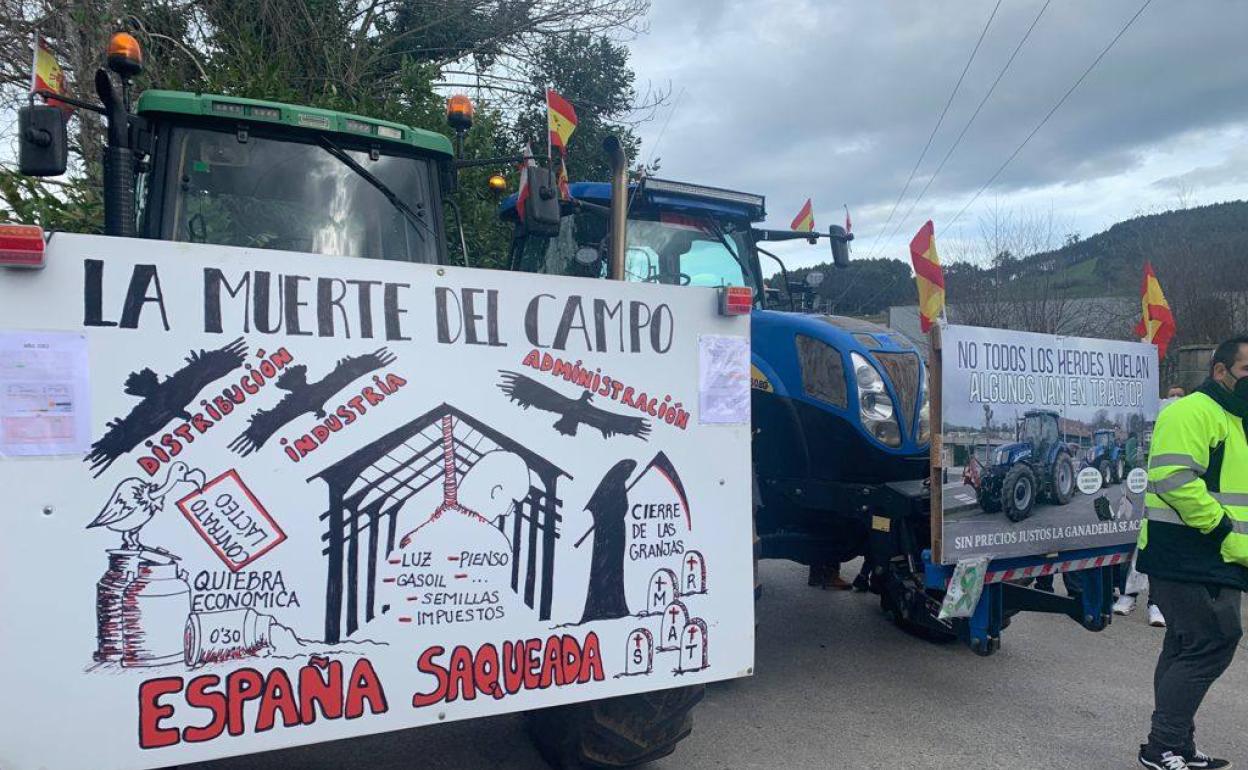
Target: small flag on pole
[[522, 194], [849, 226], [561, 119], [565, 193], [804, 222], [928, 276], [1156, 321], [46, 74]]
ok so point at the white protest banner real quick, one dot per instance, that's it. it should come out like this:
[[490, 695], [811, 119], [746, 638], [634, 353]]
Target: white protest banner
[[327, 497], [1044, 438]]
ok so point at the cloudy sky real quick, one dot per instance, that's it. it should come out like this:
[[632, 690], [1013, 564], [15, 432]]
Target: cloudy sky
[[835, 100]]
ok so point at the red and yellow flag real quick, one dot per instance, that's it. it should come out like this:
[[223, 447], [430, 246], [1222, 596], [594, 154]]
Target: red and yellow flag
[[804, 222], [928, 275], [46, 74], [1156, 321], [565, 192], [561, 119]]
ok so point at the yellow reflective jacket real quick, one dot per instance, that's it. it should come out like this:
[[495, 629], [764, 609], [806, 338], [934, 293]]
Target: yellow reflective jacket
[[1196, 528]]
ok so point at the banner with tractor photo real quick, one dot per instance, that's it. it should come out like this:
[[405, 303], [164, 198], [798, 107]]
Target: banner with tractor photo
[[255, 499], [1044, 440]]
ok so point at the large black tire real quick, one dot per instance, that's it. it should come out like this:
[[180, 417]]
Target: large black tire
[[1120, 470], [1106, 473], [615, 732], [988, 503], [1018, 492], [1063, 479]]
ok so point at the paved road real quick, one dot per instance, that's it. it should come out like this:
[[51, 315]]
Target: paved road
[[837, 686]]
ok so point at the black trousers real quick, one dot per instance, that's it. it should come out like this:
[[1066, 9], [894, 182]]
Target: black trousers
[[1203, 628]]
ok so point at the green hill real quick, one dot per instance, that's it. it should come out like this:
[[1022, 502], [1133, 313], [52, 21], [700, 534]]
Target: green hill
[[1193, 250]]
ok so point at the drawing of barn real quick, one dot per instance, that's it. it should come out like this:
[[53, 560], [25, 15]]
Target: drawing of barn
[[368, 488]]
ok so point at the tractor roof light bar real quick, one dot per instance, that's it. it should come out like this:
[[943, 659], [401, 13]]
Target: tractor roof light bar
[[651, 184]]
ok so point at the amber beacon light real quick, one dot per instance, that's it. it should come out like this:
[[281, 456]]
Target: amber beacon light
[[125, 57], [459, 112]]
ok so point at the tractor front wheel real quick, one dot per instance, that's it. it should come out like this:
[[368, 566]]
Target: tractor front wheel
[[615, 732], [1018, 492], [1120, 471]]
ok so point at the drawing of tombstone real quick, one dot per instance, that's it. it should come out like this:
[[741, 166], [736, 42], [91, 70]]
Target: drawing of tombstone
[[660, 591], [693, 646], [639, 652], [675, 616], [693, 574]]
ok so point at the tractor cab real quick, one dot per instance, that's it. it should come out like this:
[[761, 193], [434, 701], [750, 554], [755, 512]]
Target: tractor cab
[[241, 172], [674, 240], [1039, 430]]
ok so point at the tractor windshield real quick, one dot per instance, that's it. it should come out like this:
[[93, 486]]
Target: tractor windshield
[[667, 248], [1039, 428], [275, 193], [1104, 439]]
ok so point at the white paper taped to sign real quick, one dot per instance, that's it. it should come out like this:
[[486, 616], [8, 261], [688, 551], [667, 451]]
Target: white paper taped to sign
[[43, 393], [723, 379]]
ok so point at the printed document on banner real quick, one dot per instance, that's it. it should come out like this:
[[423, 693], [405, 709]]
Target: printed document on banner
[[723, 379], [43, 393]]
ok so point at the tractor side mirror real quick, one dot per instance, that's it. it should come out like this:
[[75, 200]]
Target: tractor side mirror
[[840, 245], [541, 207], [43, 144]]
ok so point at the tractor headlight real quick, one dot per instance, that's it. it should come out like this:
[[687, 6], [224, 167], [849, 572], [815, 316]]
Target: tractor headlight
[[875, 406]]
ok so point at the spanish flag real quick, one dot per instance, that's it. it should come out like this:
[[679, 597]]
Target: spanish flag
[[804, 222], [928, 275], [1156, 321], [565, 192], [561, 119], [46, 74]]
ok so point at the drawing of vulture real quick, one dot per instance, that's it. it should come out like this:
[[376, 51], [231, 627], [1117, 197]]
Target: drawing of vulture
[[134, 502], [528, 392], [162, 401], [305, 397]]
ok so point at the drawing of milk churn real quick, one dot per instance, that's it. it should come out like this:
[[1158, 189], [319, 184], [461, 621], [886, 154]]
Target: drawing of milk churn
[[693, 647], [660, 591], [154, 608], [693, 574], [212, 637], [639, 654], [675, 616]]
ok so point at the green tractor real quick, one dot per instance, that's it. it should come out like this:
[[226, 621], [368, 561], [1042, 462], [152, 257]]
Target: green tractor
[[224, 170]]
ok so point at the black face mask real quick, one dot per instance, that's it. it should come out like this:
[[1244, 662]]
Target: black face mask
[[1241, 388], [1234, 400]]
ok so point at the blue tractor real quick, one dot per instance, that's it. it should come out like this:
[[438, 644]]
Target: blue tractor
[[1037, 465], [840, 405], [1108, 456]]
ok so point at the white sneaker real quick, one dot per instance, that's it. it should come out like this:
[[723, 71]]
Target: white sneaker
[[1125, 605], [1155, 618]]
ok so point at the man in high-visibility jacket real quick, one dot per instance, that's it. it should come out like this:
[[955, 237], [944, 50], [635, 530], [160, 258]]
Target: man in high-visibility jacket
[[1194, 549]]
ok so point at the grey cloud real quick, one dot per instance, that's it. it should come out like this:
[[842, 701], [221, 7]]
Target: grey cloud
[[795, 98]]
